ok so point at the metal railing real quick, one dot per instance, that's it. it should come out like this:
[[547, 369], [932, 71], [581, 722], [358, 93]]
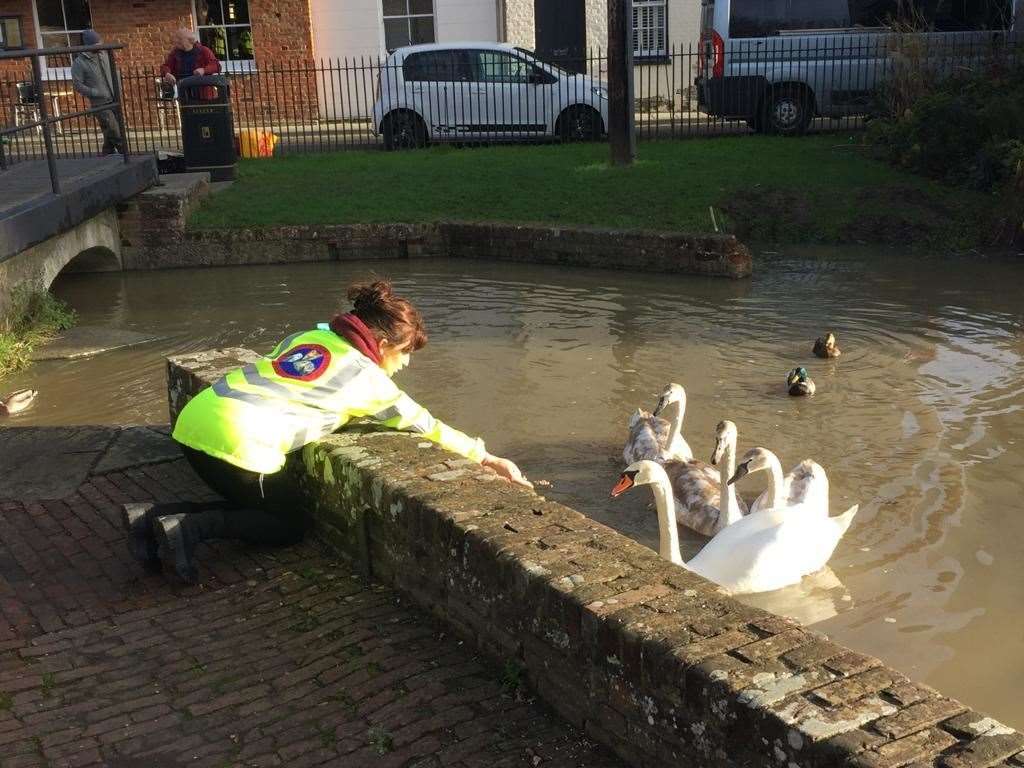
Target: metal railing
[[816, 83], [46, 122]]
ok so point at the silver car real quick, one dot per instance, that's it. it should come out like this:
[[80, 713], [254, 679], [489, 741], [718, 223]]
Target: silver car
[[779, 63]]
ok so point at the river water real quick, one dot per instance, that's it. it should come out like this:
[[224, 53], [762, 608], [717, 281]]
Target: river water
[[919, 421]]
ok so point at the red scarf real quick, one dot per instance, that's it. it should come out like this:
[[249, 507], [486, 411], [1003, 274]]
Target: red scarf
[[355, 332]]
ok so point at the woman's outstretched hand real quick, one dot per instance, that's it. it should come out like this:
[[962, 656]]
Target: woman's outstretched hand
[[507, 469]]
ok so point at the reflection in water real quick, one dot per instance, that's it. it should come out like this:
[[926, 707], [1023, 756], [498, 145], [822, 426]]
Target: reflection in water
[[918, 421]]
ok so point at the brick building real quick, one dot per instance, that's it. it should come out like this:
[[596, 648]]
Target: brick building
[[271, 48]]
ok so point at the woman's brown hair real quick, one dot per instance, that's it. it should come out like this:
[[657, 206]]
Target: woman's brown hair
[[386, 315]]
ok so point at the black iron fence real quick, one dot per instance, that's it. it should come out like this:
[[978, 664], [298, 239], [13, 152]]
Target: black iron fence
[[785, 84]]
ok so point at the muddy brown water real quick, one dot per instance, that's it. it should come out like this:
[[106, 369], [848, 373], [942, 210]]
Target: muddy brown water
[[920, 420]]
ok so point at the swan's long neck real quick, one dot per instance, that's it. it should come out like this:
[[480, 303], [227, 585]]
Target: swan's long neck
[[730, 509], [776, 482], [668, 529], [676, 410]]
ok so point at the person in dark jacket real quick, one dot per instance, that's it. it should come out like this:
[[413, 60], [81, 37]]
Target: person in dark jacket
[[188, 57], [90, 76]]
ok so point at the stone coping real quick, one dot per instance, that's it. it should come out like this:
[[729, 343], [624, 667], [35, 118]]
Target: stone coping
[[163, 243], [647, 657]]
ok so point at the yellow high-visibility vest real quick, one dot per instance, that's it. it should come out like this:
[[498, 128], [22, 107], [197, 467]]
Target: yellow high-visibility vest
[[310, 385]]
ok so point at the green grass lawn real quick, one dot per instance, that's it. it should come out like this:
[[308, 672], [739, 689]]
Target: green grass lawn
[[822, 188]]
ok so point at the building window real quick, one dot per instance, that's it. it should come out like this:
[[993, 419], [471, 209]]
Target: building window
[[650, 29], [61, 24], [10, 33], [224, 28], [408, 22]]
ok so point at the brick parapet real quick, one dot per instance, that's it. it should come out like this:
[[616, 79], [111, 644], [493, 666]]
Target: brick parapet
[[646, 657], [704, 254]]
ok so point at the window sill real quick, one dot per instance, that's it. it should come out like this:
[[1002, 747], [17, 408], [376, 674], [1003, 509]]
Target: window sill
[[56, 73], [238, 68], [643, 61]]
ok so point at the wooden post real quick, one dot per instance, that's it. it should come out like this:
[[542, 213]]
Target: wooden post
[[621, 133]]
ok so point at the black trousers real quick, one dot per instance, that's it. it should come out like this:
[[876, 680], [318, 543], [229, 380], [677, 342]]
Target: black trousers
[[259, 509]]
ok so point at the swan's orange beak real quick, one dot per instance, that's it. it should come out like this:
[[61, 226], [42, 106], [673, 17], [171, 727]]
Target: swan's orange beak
[[624, 484]]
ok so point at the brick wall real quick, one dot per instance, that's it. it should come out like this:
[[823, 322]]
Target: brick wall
[[282, 40], [646, 657], [681, 253]]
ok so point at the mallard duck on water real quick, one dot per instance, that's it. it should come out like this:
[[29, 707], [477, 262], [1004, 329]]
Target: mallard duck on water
[[826, 346], [799, 383], [17, 401]]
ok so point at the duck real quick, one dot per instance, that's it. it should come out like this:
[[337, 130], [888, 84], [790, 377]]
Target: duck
[[705, 502], [658, 435], [773, 549], [805, 485], [826, 346], [16, 402], [799, 383]]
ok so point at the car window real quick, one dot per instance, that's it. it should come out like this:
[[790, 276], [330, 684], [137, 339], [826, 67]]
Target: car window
[[501, 67], [429, 65]]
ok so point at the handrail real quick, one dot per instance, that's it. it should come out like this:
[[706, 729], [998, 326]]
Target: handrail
[[45, 121], [24, 53]]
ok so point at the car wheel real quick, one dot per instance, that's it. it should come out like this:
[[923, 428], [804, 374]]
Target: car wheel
[[404, 130], [787, 110], [579, 123]]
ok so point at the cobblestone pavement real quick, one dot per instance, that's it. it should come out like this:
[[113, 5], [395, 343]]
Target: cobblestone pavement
[[276, 658]]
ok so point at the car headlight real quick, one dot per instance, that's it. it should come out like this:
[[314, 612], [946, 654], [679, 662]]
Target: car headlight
[[601, 93]]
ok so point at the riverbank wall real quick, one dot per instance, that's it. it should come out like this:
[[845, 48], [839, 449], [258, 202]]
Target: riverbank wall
[[154, 236], [646, 657]]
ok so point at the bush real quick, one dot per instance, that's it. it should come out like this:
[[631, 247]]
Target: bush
[[965, 129]]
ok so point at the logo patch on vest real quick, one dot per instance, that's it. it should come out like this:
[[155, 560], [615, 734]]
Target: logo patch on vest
[[304, 362]]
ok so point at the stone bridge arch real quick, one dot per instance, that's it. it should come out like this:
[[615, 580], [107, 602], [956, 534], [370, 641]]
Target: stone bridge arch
[[94, 245]]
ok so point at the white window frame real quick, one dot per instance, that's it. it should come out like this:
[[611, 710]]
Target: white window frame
[[408, 17], [228, 66], [48, 72], [646, 19]]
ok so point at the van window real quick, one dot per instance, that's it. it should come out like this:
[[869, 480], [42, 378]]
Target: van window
[[933, 15], [764, 18]]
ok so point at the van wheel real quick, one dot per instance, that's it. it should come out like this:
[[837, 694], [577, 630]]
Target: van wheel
[[579, 123], [787, 110], [404, 130]]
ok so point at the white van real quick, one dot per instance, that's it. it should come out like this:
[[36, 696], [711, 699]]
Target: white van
[[779, 63], [482, 92]]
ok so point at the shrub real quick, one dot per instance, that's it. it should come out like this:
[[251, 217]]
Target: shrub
[[965, 129]]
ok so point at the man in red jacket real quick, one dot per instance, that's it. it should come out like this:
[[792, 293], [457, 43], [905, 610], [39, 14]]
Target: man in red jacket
[[188, 57]]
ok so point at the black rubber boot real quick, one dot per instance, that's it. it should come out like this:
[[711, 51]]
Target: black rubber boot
[[137, 520], [178, 535]]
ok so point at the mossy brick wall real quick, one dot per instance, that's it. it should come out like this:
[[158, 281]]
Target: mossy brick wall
[[715, 255], [648, 658]]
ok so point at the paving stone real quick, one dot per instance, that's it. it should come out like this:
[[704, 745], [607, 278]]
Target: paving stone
[[155, 674]]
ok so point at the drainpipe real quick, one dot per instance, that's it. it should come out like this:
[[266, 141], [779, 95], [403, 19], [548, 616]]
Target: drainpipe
[[500, 23]]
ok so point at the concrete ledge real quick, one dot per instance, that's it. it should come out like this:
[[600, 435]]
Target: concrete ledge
[[648, 658], [715, 255]]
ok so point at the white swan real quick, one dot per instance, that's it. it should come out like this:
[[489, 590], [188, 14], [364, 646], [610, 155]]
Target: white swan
[[806, 484], [698, 487], [658, 435], [758, 553]]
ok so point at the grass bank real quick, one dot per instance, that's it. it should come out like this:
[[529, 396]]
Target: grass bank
[[767, 189], [35, 317]]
